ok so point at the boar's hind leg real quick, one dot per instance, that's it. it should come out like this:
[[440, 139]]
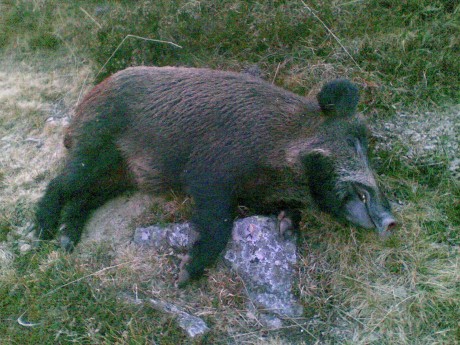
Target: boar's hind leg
[[87, 181], [101, 179], [77, 211], [49, 209], [213, 219]]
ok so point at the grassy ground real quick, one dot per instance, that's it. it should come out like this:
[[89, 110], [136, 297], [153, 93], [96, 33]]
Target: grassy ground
[[355, 288]]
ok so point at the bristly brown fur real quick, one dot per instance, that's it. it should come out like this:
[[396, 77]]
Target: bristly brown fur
[[209, 133]]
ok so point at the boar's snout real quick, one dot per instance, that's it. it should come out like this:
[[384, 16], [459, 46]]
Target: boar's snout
[[386, 226]]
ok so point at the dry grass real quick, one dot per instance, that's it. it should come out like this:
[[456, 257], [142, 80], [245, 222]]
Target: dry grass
[[34, 106]]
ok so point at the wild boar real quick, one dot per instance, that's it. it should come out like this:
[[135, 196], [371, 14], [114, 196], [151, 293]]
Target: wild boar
[[218, 136]]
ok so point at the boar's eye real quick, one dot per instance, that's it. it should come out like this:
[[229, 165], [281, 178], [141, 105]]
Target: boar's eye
[[362, 197], [361, 193]]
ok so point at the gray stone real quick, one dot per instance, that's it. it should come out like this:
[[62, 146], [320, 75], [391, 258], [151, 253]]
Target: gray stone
[[25, 247], [176, 236], [264, 260], [6, 255], [192, 325], [261, 256], [270, 321]]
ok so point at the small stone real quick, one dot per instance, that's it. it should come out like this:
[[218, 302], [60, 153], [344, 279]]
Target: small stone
[[192, 325], [25, 247], [400, 292], [176, 236]]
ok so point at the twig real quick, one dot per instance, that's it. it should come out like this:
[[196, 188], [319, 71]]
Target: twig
[[25, 323], [87, 276], [276, 73], [332, 34], [348, 3], [91, 17], [296, 325], [140, 38], [29, 324], [116, 49], [349, 315]]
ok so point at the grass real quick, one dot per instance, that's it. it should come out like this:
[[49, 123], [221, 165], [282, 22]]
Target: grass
[[355, 288]]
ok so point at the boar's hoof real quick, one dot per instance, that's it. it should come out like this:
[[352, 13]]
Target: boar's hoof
[[184, 277], [66, 243], [285, 225]]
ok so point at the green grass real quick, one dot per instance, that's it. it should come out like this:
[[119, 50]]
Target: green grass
[[56, 292], [355, 288], [404, 53]]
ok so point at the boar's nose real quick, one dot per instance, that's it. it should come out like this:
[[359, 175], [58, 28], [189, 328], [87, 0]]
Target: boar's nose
[[387, 225]]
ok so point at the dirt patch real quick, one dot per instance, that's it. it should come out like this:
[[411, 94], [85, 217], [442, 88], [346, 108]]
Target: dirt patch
[[423, 137], [112, 224]]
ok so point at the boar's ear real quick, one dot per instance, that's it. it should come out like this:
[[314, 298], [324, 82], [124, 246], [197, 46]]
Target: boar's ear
[[338, 98]]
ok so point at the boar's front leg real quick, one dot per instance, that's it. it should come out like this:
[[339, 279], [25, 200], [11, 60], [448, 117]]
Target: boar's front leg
[[213, 218]]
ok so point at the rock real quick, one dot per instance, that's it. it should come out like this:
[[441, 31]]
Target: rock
[[192, 325], [258, 253], [261, 256], [176, 236], [264, 259], [25, 247], [270, 321]]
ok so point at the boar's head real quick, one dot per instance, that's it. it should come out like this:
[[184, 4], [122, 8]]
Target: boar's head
[[340, 178]]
